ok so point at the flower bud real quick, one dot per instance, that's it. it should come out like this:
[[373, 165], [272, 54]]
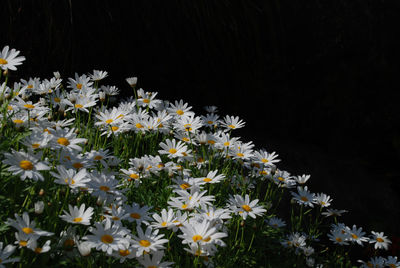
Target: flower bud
[[39, 207], [84, 248]]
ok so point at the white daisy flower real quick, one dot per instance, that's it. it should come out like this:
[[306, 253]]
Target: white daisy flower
[[149, 241], [323, 200], [66, 139], [71, 177], [244, 207], [138, 214], [98, 75], [232, 122], [211, 177], [201, 232], [275, 222], [26, 165], [25, 225], [6, 253], [154, 261], [33, 245], [304, 197], [166, 220], [108, 237], [78, 215], [173, 149], [380, 240], [9, 59]]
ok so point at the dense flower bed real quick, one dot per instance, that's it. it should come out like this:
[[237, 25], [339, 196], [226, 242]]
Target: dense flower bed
[[87, 182]]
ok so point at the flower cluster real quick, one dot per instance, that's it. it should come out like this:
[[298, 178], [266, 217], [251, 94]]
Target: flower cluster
[[136, 180]]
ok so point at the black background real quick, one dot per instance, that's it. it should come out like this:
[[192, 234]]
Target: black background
[[316, 81]]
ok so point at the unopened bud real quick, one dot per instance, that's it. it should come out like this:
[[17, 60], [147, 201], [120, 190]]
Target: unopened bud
[[39, 207], [41, 192], [84, 248]]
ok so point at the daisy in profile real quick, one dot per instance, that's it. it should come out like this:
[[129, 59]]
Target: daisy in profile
[[232, 122], [148, 241], [9, 59], [173, 149], [244, 207], [5, 253], [98, 75], [33, 245], [25, 225], [380, 240], [108, 237], [154, 260], [26, 165], [211, 177], [275, 222], [302, 179], [334, 212], [78, 215]]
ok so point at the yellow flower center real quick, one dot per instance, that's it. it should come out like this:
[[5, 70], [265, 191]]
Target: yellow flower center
[[247, 208], [77, 165], [114, 128], [104, 188], [197, 238], [27, 230], [210, 122], [207, 239], [135, 216], [180, 112], [184, 206], [240, 154], [185, 185], [98, 157], [29, 106], [338, 239], [109, 121], [18, 121], [35, 145], [264, 160], [63, 141], [124, 253], [226, 143], [172, 151], [78, 219], [23, 243], [151, 266], [3, 61], [211, 142], [26, 165], [38, 250], [79, 86], [185, 139], [354, 236], [138, 125], [207, 179], [68, 243], [303, 198], [115, 218], [146, 100], [380, 240], [30, 86], [282, 179], [134, 176], [78, 105], [57, 99], [163, 224], [107, 239], [231, 126], [10, 108], [68, 181], [144, 243]]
